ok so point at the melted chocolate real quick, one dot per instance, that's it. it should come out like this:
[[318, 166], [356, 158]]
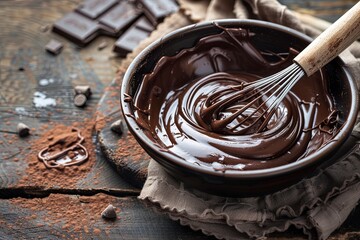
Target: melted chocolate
[[172, 102]]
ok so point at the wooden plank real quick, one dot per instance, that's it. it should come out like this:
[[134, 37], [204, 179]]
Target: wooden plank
[[71, 217], [26, 69]]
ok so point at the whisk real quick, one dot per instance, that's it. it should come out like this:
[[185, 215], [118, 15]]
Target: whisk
[[275, 87]]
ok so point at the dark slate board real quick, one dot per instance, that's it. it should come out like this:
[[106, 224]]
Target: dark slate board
[[133, 171]]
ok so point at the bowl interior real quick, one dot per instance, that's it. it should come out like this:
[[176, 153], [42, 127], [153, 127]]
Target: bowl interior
[[267, 36]]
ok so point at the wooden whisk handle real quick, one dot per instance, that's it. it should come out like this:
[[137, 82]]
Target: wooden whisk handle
[[331, 42]]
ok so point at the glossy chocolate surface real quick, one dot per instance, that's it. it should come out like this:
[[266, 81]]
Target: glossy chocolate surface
[[172, 101], [235, 183]]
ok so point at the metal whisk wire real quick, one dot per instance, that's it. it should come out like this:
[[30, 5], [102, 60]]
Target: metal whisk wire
[[274, 86], [322, 50]]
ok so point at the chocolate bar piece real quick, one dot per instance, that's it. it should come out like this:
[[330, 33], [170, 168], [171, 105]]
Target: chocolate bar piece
[[129, 40], [112, 17], [140, 30], [157, 10], [144, 24], [77, 28], [120, 17], [94, 8]]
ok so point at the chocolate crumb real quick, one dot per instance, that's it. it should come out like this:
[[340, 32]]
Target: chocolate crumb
[[102, 45], [45, 28], [96, 231], [86, 90], [80, 100], [23, 130], [117, 127], [54, 47], [109, 212]]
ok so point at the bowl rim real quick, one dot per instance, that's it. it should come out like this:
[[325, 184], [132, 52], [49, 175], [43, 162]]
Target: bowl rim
[[343, 133]]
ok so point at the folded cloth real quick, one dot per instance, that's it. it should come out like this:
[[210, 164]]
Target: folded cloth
[[316, 205]]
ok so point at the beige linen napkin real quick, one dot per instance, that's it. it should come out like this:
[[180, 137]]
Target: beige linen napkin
[[317, 205]]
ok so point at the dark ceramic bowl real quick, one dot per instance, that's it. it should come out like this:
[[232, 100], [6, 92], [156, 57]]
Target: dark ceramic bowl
[[251, 182]]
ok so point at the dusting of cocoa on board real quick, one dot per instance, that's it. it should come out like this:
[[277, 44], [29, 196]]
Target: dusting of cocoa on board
[[73, 214], [37, 174], [130, 149]]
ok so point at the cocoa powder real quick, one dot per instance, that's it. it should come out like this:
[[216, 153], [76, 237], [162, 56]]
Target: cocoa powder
[[129, 149], [71, 213], [101, 122], [58, 137]]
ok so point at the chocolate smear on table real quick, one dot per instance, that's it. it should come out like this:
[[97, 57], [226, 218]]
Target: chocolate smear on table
[[37, 174], [63, 150]]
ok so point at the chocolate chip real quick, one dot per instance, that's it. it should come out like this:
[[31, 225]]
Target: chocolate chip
[[109, 212], [23, 130], [86, 90], [80, 100], [54, 47], [117, 127]]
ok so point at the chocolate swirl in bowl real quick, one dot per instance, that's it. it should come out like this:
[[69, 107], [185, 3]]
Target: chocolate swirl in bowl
[[175, 105]]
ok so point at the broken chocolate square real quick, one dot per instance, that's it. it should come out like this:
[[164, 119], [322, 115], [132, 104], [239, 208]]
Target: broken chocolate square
[[77, 28], [120, 17], [157, 10], [94, 8], [129, 40], [144, 24]]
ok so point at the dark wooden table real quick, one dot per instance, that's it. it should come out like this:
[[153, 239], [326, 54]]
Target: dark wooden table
[[25, 206]]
